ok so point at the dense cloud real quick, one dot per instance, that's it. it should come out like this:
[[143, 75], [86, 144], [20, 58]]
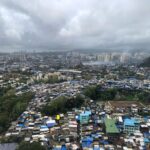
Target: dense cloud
[[74, 24]]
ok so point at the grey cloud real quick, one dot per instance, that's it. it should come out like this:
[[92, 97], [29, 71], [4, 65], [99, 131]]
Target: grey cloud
[[74, 24]]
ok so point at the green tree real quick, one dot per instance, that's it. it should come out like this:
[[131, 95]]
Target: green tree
[[11, 106], [62, 105]]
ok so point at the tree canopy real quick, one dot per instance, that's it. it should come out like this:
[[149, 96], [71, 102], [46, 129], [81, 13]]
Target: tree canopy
[[62, 105], [99, 93], [11, 106]]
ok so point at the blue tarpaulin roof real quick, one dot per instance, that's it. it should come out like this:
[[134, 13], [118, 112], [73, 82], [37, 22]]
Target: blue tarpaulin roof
[[88, 112], [63, 147], [146, 140], [86, 142], [146, 118], [146, 134], [129, 122], [22, 119], [87, 139], [43, 126], [21, 125], [104, 142], [51, 124]]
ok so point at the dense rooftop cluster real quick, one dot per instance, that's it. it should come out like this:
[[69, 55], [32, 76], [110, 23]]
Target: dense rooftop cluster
[[91, 126], [75, 103]]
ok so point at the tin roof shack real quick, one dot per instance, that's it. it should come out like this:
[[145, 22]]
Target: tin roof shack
[[71, 115], [72, 126], [50, 123], [60, 147], [86, 130], [137, 141], [111, 130], [96, 147], [131, 125], [144, 128], [44, 129]]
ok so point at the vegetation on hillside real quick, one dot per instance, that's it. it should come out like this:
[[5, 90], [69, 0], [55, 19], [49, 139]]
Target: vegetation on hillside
[[11, 106], [98, 93], [62, 105]]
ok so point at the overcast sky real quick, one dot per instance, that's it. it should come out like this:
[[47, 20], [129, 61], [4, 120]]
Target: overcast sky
[[74, 24]]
